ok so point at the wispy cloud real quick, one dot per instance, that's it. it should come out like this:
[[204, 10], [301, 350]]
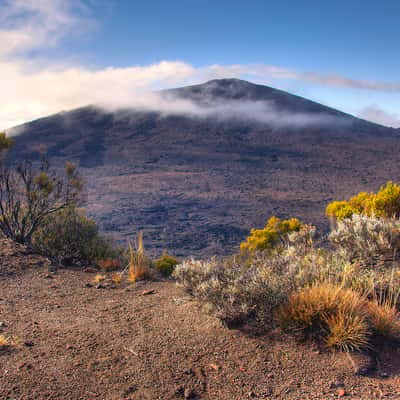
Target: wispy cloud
[[376, 114], [35, 89]]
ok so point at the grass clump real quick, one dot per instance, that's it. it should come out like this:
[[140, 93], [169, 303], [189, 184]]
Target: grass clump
[[384, 316], [138, 262], [5, 341], [166, 264], [330, 313]]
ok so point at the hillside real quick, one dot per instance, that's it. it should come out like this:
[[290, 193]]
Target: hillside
[[196, 183]]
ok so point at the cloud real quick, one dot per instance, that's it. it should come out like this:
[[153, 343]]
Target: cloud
[[32, 24], [36, 88], [262, 71], [375, 114]]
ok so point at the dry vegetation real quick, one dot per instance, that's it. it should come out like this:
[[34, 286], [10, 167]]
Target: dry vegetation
[[345, 297]]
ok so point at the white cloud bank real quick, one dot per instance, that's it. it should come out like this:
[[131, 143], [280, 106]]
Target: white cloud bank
[[34, 89]]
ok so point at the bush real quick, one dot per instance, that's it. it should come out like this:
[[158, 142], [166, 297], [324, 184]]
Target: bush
[[70, 238], [233, 293], [166, 264], [368, 239], [108, 264], [385, 203], [328, 294], [268, 238], [29, 195]]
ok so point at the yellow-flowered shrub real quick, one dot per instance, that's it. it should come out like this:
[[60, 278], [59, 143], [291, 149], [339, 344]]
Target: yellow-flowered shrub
[[385, 203], [271, 235]]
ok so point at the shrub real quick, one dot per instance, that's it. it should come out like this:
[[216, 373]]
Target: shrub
[[233, 293], [70, 238], [108, 264], [138, 262], [28, 195], [274, 232], [368, 239], [329, 312], [329, 295], [385, 203], [165, 264]]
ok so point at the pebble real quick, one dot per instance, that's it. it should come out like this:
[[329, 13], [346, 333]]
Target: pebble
[[188, 371], [90, 270], [129, 390], [341, 392], [147, 292]]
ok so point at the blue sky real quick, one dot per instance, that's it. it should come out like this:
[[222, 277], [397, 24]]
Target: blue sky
[[343, 53]]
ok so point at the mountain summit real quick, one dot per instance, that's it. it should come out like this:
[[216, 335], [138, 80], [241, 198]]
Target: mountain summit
[[197, 180]]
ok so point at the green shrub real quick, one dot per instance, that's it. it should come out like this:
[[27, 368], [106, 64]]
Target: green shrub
[[70, 238], [166, 264]]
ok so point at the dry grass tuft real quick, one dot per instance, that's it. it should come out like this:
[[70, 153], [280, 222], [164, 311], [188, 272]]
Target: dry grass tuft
[[384, 316], [5, 341], [329, 312], [347, 332], [138, 263]]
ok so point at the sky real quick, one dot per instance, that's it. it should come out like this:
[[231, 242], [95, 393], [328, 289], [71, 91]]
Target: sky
[[57, 55]]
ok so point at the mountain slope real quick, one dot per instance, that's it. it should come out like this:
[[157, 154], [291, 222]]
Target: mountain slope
[[196, 183]]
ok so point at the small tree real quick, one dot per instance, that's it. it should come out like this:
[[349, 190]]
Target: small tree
[[28, 194], [5, 143]]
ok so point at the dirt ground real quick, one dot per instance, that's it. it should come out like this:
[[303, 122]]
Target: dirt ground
[[77, 342]]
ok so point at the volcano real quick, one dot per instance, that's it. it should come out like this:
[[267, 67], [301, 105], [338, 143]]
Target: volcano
[[196, 182]]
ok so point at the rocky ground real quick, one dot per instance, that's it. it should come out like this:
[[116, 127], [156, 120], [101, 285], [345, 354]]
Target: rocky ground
[[150, 341]]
